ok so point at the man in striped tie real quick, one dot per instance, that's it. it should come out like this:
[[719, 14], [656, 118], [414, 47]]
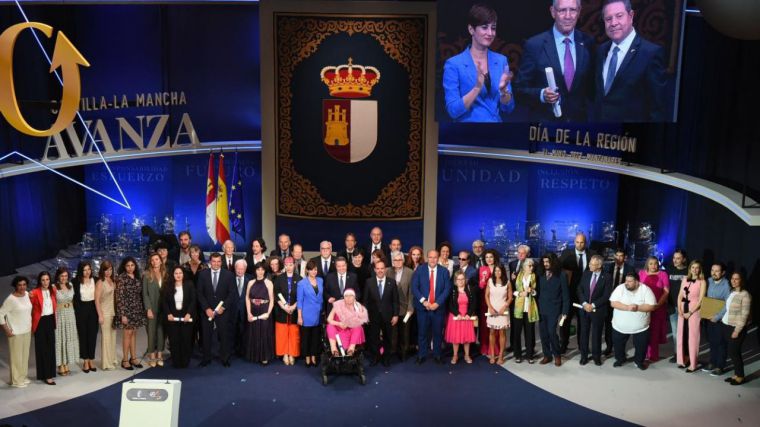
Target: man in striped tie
[[431, 287]]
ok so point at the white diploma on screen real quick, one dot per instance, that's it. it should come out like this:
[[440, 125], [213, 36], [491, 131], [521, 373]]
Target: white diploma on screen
[[552, 84], [218, 306]]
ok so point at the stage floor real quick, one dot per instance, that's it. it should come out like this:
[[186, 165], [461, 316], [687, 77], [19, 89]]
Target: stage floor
[[406, 393]]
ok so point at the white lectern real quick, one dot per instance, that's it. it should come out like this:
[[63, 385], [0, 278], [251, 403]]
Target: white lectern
[[146, 403]]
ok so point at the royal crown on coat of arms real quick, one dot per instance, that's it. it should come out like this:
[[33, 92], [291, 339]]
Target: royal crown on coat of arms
[[350, 80]]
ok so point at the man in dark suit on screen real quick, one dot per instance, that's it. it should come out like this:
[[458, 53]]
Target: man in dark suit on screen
[[568, 52], [217, 284], [594, 292], [630, 71]]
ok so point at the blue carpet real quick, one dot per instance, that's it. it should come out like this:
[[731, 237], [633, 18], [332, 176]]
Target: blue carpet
[[277, 395]]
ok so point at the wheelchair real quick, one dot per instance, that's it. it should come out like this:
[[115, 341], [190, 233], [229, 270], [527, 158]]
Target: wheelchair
[[342, 365]]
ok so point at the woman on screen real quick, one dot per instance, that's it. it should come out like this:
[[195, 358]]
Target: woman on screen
[[476, 82]]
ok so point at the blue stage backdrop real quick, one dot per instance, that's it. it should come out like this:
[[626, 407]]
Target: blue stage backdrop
[[176, 187], [476, 197]]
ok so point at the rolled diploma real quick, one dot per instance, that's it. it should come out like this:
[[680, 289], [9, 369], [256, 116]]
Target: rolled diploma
[[408, 315], [552, 84], [576, 305], [340, 345], [218, 306], [282, 299]]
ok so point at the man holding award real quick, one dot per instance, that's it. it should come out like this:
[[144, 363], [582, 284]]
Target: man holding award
[[556, 70], [217, 297]]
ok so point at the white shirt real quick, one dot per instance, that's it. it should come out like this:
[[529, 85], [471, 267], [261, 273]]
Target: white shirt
[[399, 273], [724, 320], [47, 303], [87, 290], [632, 322], [585, 259], [178, 296], [624, 45], [17, 313]]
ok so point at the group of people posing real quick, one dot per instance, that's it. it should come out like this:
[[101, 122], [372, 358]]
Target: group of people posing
[[390, 303]]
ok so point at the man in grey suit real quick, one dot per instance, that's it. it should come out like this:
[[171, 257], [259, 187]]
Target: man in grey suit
[[403, 277]]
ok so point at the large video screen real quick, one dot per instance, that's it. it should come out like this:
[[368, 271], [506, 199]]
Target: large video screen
[[563, 60]]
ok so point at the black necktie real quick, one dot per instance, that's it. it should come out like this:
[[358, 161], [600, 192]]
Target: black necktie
[[580, 261], [617, 275], [324, 269]]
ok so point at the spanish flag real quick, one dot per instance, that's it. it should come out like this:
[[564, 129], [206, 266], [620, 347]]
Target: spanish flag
[[222, 205], [211, 200]]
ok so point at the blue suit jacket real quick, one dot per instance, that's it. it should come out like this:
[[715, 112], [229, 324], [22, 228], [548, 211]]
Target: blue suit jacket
[[539, 52], [638, 92], [460, 76], [421, 286], [308, 302]]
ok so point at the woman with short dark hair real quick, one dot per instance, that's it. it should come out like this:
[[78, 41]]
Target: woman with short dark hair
[[16, 320], [309, 302]]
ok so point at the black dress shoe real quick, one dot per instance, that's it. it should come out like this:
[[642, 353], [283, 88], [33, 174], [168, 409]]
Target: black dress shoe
[[50, 383], [203, 364], [584, 361], [386, 362], [563, 349], [641, 366], [420, 360], [607, 353], [93, 369], [618, 363], [672, 359], [598, 362], [226, 364], [438, 360]]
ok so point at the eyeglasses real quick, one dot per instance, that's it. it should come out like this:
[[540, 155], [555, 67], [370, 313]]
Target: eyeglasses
[[463, 259]]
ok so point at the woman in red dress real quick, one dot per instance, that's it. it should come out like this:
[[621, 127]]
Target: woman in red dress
[[459, 328]]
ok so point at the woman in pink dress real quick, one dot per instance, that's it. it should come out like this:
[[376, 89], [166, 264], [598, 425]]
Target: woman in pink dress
[[459, 328], [345, 321], [492, 258], [693, 288], [659, 283]]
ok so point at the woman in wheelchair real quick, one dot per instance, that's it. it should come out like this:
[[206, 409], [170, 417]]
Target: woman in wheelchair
[[345, 322]]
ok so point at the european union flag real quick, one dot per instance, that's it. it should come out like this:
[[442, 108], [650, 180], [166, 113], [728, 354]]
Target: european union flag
[[237, 218]]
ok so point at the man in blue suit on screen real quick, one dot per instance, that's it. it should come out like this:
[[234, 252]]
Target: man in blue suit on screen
[[431, 286], [568, 52], [630, 71]]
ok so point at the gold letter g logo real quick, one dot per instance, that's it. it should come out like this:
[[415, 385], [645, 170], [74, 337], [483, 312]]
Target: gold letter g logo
[[65, 55]]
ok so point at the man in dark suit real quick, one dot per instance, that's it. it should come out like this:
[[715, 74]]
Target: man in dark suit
[[283, 249], [574, 262], [216, 284], [464, 266], [325, 261], [299, 263], [337, 282], [431, 286], [375, 243], [630, 71], [402, 334], [238, 324], [568, 52], [553, 306], [229, 258], [617, 271], [594, 295], [478, 259], [351, 249], [381, 300]]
